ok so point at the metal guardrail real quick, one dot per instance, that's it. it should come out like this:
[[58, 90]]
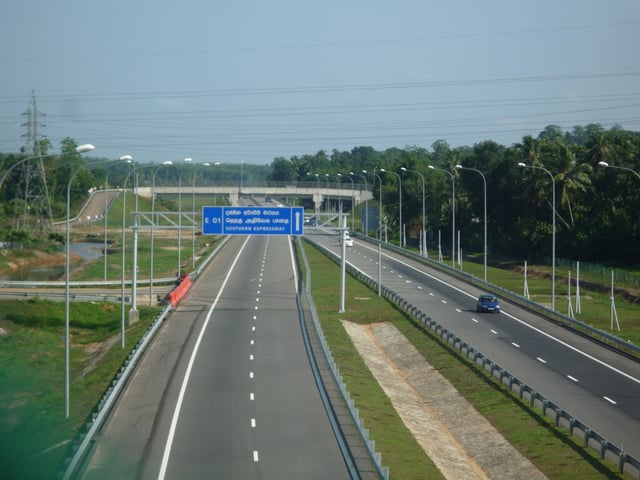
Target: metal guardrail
[[369, 443], [596, 333], [80, 445], [592, 439]]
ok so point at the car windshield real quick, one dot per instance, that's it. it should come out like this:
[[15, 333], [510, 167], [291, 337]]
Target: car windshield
[[488, 298]]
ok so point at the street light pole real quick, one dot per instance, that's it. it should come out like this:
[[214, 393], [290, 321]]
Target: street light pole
[[153, 221], [129, 159], [186, 160], [553, 241], [484, 181], [353, 202], [401, 229], [423, 245], [380, 241], [366, 203], [453, 213], [80, 149]]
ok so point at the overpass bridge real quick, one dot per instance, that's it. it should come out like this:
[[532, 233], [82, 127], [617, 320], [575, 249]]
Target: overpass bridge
[[233, 192]]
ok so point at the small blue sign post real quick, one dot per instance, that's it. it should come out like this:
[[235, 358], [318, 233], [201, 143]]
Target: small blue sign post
[[252, 220]]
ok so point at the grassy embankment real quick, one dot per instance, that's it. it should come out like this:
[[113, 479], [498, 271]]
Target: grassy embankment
[[34, 433]]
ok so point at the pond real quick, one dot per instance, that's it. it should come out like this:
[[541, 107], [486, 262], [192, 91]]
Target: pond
[[37, 273]]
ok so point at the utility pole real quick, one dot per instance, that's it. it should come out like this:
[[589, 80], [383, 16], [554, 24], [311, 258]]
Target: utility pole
[[34, 191]]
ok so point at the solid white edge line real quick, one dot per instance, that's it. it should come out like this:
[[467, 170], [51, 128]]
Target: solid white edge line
[[293, 263], [185, 380]]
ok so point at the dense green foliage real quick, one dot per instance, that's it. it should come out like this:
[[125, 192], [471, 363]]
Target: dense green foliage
[[596, 208]]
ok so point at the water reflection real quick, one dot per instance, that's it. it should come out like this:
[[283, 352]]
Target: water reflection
[[38, 273]]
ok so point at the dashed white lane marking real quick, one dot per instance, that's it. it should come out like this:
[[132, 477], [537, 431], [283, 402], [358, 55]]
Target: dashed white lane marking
[[257, 299], [443, 301], [611, 401], [256, 307], [250, 357], [458, 310], [251, 342], [493, 331], [255, 455], [431, 294], [252, 397], [253, 423], [253, 328], [250, 374], [572, 378], [474, 320], [541, 360], [255, 317], [515, 344]]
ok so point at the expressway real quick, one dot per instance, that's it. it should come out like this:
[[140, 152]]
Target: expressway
[[591, 382], [226, 389]]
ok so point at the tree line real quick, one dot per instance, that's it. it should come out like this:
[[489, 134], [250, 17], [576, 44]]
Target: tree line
[[596, 207]]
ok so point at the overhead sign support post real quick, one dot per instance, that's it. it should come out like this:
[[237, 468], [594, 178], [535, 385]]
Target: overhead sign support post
[[252, 221]]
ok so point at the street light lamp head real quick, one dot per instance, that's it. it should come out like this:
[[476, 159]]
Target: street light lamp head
[[187, 160], [87, 147], [431, 167], [603, 164], [403, 169], [521, 164], [168, 162], [364, 171], [217, 163], [206, 164], [458, 166], [383, 170], [126, 158]]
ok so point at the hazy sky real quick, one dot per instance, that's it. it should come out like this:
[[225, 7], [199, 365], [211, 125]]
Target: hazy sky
[[247, 80]]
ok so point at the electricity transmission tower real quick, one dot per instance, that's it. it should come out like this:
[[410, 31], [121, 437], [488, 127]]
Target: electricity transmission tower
[[35, 211]]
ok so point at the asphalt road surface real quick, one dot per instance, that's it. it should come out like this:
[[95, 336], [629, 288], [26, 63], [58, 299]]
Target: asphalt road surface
[[225, 390], [593, 383]]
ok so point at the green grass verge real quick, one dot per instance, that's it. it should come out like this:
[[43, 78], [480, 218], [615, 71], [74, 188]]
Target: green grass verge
[[34, 433], [552, 450]]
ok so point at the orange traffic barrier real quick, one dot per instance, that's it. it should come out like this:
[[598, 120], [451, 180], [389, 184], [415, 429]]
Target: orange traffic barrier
[[179, 291]]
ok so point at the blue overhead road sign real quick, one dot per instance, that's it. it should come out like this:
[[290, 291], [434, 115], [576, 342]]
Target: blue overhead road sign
[[252, 220]]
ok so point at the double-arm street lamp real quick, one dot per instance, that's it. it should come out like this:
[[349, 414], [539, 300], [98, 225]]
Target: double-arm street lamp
[[453, 213], [553, 240], [401, 229], [606, 165], [423, 241], [484, 181]]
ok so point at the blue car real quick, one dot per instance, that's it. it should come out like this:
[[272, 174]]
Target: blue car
[[488, 302]]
